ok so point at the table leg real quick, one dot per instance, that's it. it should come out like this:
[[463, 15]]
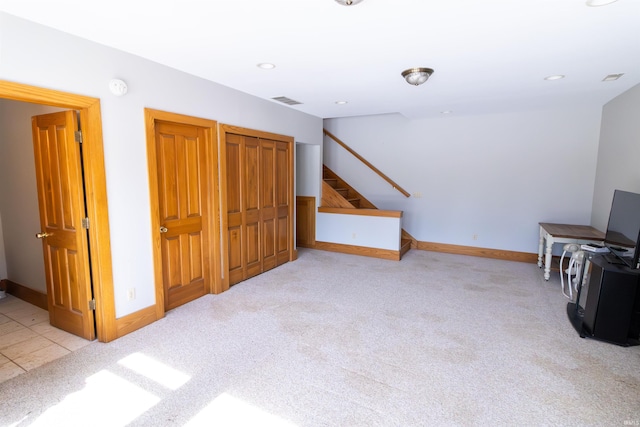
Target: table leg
[[547, 257], [541, 247]]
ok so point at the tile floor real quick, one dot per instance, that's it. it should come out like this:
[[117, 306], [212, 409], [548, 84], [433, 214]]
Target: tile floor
[[27, 340]]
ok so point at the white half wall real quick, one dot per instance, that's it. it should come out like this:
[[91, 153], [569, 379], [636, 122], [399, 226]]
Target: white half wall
[[483, 181], [359, 230]]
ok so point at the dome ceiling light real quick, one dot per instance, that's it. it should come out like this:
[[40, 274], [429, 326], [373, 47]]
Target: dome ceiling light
[[597, 3], [417, 76], [348, 2]]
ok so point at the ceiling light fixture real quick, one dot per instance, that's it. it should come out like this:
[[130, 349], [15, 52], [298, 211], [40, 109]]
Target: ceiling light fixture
[[417, 76], [266, 66], [348, 2], [555, 77], [341, 102], [596, 3]]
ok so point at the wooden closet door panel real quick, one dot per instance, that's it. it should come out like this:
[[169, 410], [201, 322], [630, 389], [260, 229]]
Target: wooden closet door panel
[[235, 235], [251, 207], [268, 203], [259, 223], [283, 175]]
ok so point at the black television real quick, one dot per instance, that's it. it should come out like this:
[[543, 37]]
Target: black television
[[623, 231]]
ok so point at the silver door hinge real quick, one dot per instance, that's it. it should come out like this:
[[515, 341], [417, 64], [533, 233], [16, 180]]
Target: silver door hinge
[[78, 136], [85, 223], [92, 304]]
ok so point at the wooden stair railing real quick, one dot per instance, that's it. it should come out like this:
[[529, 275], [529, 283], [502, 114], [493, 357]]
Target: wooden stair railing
[[369, 165]]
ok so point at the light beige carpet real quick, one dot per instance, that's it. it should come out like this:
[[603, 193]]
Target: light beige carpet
[[339, 340]]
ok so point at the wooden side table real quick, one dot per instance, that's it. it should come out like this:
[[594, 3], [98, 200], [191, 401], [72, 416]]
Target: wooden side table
[[563, 233]]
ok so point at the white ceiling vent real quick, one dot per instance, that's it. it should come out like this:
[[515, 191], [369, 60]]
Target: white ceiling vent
[[286, 100]]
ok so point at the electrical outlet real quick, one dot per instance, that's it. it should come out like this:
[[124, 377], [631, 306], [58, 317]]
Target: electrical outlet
[[131, 294], [475, 237], [353, 235], [417, 195]]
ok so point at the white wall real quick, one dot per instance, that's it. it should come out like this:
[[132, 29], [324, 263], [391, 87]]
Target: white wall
[[308, 170], [19, 196], [36, 55], [490, 176], [618, 154]]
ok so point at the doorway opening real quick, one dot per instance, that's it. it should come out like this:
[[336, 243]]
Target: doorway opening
[[92, 160]]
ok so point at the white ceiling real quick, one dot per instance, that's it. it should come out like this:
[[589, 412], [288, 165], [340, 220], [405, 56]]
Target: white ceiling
[[488, 56]]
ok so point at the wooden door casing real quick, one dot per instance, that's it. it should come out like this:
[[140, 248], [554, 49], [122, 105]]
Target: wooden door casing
[[62, 209], [257, 193], [96, 193]]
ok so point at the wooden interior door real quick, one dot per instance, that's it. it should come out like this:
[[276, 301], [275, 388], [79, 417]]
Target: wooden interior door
[[181, 162], [62, 210]]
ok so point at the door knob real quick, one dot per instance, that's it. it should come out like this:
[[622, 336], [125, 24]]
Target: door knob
[[42, 235], [163, 229]]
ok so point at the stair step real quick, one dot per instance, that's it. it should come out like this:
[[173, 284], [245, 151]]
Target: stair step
[[344, 192], [354, 202], [405, 246], [331, 181]]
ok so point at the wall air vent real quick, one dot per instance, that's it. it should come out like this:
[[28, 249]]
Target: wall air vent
[[286, 100]]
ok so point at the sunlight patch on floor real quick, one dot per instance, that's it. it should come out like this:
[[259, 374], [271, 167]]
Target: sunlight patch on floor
[[105, 390], [159, 372], [229, 411]]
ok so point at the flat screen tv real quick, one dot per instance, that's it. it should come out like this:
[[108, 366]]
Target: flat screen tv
[[623, 231]]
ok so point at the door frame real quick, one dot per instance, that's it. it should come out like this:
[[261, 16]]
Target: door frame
[[211, 130], [95, 192]]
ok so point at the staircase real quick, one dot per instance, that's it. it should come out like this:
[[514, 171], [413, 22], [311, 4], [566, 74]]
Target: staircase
[[338, 193]]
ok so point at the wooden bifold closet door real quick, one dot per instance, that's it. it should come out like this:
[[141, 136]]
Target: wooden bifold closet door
[[259, 210]]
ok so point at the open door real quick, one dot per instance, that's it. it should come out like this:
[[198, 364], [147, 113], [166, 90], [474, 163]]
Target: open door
[[64, 238]]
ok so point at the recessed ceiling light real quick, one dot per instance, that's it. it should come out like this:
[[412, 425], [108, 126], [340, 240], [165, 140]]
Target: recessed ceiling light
[[266, 66], [596, 3], [612, 77], [446, 112], [341, 102], [555, 77]]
